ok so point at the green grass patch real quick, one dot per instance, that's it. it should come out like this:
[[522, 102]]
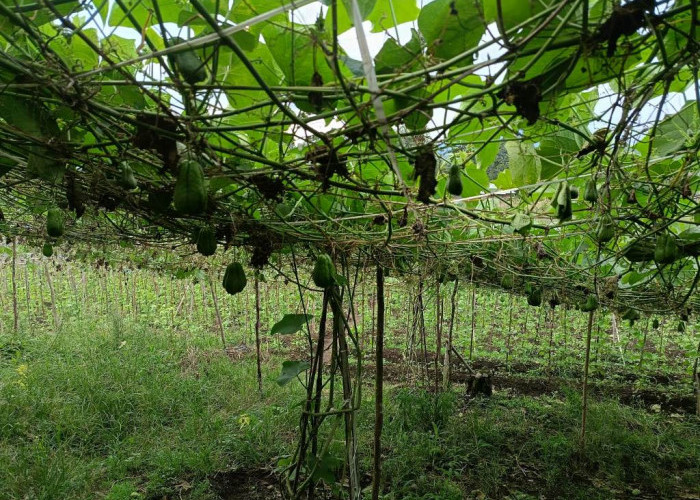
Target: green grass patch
[[118, 411]]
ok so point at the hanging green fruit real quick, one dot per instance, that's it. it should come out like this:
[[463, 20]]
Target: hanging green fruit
[[454, 183], [666, 250], [554, 300], [54, 223], [190, 190], [655, 324], [234, 278], [507, 281], [591, 303], [563, 202], [206, 241], [324, 271], [606, 229], [187, 64], [127, 179], [590, 194], [47, 250], [631, 315], [640, 251], [534, 295]]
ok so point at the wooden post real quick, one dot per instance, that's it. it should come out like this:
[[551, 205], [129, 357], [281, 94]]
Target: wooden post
[[471, 341], [446, 367], [56, 322], [27, 292], [510, 326], [14, 284], [257, 330], [438, 334], [218, 315], [644, 345], [379, 387], [696, 381]]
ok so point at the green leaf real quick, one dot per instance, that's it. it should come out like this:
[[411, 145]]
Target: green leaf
[[365, 7], [692, 234], [474, 181], [487, 155], [389, 13], [38, 15], [521, 223], [244, 10], [290, 323], [504, 180], [290, 370], [513, 12], [451, 27], [76, 53], [419, 117], [524, 164], [292, 47], [678, 131], [344, 17], [394, 57], [143, 12], [556, 150]]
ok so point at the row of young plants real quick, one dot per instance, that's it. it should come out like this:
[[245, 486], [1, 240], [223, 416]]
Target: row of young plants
[[504, 326]]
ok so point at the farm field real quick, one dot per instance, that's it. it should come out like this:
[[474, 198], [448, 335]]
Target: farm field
[[133, 396], [349, 249]]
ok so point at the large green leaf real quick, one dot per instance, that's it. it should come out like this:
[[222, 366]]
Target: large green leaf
[[474, 181], [556, 150], [292, 47], [75, 52], [393, 57], [143, 12], [513, 12], [35, 12], [232, 71], [246, 9], [389, 13], [451, 27], [523, 162], [344, 17], [290, 323], [678, 131], [290, 370]]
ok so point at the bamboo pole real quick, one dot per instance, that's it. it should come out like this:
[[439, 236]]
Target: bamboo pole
[[14, 285], [447, 365], [56, 322], [218, 315], [379, 387], [257, 331]]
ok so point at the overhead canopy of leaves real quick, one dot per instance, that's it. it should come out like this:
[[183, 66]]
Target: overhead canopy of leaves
[[297, 149]]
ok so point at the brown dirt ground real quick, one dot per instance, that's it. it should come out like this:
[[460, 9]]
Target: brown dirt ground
[[249, 484]]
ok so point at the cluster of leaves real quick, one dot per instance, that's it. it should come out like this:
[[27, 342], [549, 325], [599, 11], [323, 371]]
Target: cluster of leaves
[[101, 108]]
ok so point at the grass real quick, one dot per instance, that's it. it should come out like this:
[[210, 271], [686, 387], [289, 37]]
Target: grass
[[113, 410], [523, 445], [119, 411]]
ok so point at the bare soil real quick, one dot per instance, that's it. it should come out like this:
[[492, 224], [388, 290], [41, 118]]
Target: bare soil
[[249, 484]]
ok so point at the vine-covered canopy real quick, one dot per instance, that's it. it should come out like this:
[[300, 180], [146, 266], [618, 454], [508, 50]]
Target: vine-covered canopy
[[524, 144]]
